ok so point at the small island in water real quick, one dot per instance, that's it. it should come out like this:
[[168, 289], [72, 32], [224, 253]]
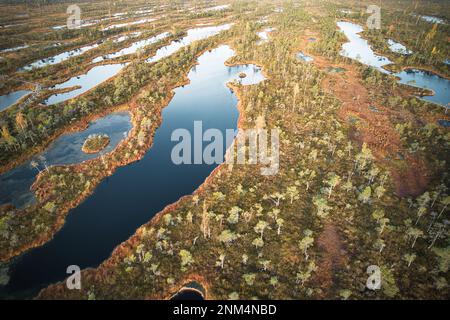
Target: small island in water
[[95, 143], [224, 150]]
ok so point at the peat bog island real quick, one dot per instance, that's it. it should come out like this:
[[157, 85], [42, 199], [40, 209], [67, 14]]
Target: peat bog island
[[225, 150]]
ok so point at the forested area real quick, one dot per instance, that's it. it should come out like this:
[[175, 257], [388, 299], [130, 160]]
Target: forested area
[[363, 176]]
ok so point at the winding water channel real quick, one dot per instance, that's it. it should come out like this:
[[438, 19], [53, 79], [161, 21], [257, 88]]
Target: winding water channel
[[133, 48], [84, 82], [58, 58], [192, 35], [99, 74], [126, 24], [9, 99], [135, 193], [359, 49]]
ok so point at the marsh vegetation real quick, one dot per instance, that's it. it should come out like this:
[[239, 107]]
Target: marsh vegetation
[[364, 150]]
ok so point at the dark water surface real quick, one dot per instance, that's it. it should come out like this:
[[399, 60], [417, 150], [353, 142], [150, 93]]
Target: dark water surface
[[188, 294], [9, 99], [135, 193], [428, 80]]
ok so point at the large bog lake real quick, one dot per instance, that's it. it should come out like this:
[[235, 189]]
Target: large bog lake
[[135, 193]]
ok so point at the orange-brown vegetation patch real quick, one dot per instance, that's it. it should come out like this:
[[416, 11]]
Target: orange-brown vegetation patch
[[372, 127], [413, 179], [333, 259]]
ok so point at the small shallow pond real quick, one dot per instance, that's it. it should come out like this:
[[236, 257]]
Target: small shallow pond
[[217, 8], [143, 11], [264, 35], [188, 294], [191, 291], [127, 24], [398, 47], [85, 82], [15, 184], [127, 36], [133, 48], [192, 35], [98, 74], [135, 193], [84, 24], [9, 99], [58, 58], [335, 70], [14, 49], [303, 57]]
